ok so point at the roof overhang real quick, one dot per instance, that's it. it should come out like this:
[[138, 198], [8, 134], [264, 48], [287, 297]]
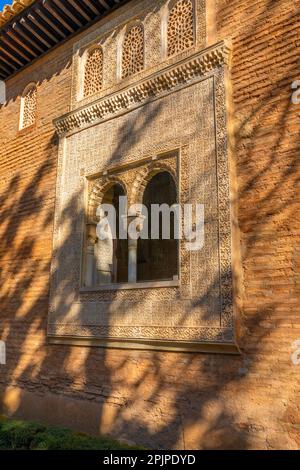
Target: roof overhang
[[42, 25]]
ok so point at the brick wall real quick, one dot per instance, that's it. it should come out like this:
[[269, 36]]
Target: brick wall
[[153, 398]]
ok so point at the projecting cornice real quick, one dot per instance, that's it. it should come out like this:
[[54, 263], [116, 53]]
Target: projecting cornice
[[153, 87]]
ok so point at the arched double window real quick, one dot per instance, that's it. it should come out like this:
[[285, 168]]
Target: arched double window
[[93, 72], [152, 256], [133, 51], [180, 28], [28, 106]]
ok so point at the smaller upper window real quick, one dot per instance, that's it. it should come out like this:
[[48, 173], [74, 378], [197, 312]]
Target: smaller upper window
[[93, 72], [28, 106], [181, 34], [133, 51]]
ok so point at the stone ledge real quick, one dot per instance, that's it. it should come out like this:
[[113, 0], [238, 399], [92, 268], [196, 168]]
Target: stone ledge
[[128, 286], [171, 346]]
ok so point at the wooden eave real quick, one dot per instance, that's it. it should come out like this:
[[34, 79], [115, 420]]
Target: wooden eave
[[43, 25]]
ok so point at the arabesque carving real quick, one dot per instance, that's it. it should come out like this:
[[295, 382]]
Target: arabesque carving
[[181, 33], [157, 85], [93, 72]]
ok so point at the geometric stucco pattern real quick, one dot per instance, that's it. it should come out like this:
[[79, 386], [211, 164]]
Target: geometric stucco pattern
[[180, 34], [93, 72], [29, 106], [119, 138], [162, 82], [133, 181], [133, 51], [149, 52]]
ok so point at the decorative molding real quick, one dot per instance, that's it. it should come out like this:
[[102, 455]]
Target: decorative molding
[[132, 179], [144, 176], [153, 87], [177, 346], [159, 333], [98, 190], [111, 318]]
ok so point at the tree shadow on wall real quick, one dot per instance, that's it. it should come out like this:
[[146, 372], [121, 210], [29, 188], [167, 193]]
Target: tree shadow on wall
[[160, 400]]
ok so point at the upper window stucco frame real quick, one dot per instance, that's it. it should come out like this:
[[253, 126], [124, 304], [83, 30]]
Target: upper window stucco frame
[[22, 124], [84, 54], [120, 49], [165, 17]]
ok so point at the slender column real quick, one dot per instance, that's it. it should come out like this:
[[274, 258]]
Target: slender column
[[105, 255], [132, 260], [104, 252], [134, 224]]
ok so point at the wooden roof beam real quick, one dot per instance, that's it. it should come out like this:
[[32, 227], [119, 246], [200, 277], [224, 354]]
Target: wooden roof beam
[[80, 10], [7, 70], [92, 7], [55, 14], [29, 28], [15, 37], [51, 23], [42, 28], [9, 62], [16, 47], [104, 4], [9, 53], [68, 13], [27, 37]]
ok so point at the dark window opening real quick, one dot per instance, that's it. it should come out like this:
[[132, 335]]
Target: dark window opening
[[157, 260], [112, 255]]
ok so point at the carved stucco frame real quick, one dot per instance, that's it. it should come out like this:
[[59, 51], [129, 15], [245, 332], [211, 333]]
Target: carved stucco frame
[[27, 89], [135, 195], [82, 67], [192, 70], [165, 15], [120, 45], [99, 189]]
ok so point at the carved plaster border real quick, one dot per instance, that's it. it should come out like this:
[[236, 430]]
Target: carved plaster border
[[197, 67], [153, 87], [156, 333]]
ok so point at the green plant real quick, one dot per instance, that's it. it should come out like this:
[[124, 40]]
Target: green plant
[[20, 435]]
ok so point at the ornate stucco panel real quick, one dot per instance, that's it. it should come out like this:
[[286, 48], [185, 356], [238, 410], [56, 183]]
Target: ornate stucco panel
[[178, 118]]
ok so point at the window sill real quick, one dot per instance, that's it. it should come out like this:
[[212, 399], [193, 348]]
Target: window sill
[[138, 285], [170, 346]]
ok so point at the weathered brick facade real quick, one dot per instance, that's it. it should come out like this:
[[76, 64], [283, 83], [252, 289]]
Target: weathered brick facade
[[166, 399]]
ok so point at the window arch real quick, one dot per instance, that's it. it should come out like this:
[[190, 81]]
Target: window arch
[[133, 51], [180, 28], [93, 72], [28, 106], [158, 259]]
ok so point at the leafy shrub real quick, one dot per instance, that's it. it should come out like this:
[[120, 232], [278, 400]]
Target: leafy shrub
[[20, 435]]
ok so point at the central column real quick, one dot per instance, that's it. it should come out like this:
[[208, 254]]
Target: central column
[[134, 225], [132, 260]]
